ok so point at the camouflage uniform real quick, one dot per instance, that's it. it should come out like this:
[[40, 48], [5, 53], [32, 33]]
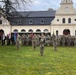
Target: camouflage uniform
[[54, 42], [48, 40], [0, 39], [22, 39], [42, 42], [34, 41], [18, 41], [63, 40], [38, 37], [27, 40], [75, 42]]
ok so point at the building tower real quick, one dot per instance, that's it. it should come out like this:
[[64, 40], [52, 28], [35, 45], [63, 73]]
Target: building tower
[[65, 19]]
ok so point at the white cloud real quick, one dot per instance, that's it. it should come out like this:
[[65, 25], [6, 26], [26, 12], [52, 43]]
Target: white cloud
[[45, 4], [36, 2]]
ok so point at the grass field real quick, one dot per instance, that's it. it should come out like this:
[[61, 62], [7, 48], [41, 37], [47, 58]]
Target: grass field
[[27, 61]]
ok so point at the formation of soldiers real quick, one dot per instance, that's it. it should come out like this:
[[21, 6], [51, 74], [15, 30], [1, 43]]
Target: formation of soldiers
[[18, 41], [38, 40], [67, 40], [34, 40], [42, 42], [62, 40]]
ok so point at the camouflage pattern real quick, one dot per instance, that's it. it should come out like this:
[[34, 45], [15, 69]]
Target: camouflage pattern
[[55, 42], [42, 42], [34, 41], [48, 40], [18, 40], [0, 42], [63, 40], [75, 42], [38, 38], [69, 40], [23, 39], [0, 39]]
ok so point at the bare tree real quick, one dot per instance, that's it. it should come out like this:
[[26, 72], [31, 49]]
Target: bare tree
[[9, 7]]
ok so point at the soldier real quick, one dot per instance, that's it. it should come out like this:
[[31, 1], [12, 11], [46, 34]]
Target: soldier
[[38, 37], [8, 39], [18, 41], [42, 42], [15, 37], [34, 41], [12, 40], [27, 40], [72, 41], [23, 39], [63, 40], [48, 41], [0, 39], [75, 42], [54, 42], [69, 40]]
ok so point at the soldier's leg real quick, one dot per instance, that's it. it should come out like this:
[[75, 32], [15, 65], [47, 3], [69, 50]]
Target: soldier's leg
[[17, 44], [0, 42], [55, 48], [41, 51], [34, 46]]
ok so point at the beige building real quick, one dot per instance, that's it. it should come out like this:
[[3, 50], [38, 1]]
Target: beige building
[[61, 21], [65, 19]]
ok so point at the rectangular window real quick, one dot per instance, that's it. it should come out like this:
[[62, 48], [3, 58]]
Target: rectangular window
[[31, 21], [19, 21], [42, 21]]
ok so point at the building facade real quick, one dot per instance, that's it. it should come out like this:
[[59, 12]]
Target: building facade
[[61, 21], [65, 19]]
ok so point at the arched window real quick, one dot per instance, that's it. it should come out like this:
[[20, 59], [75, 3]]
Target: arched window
[[46, 30], [66, 31], [38, 30], [23, 30], [57, 32], [15, 30], [63, 20], [69, 20], [30, 30], [1, 32]]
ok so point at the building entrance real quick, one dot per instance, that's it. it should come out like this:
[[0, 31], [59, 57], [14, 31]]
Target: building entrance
[[66, 31]]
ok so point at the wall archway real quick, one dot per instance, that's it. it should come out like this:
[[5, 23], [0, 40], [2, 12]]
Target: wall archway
[[46, 30], [38, 30], [23, 30], [66, 31], [30, 30], [15, 30], [1, 31]]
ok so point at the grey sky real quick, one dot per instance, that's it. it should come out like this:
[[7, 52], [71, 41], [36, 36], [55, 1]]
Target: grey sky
[[40, 5]]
